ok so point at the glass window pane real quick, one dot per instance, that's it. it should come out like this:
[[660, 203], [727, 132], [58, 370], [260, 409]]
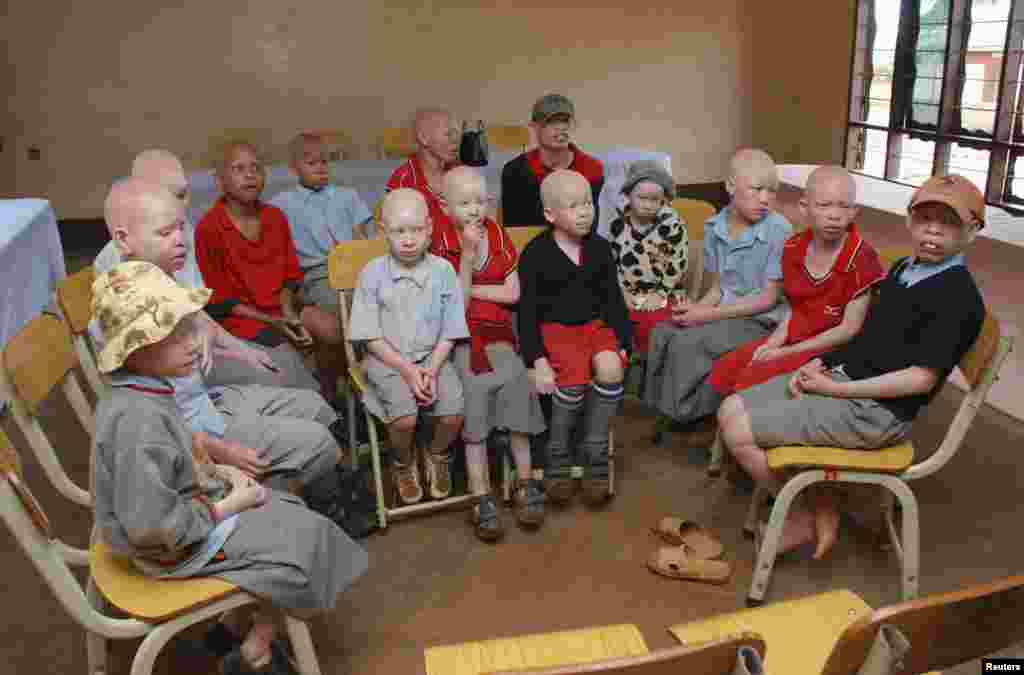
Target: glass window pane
[[970, 163], [1017, 184], [913, 160], [880, 99], [983, 65], [865, 151], [929, 60]]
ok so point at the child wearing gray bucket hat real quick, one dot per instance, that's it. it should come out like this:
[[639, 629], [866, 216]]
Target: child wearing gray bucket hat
[[650, 246]]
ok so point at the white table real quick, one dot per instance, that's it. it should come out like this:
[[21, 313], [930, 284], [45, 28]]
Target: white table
[[892, 197], [31, 262], [368, 177]]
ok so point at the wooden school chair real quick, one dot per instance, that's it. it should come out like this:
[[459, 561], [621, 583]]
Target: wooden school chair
[[396, 143], [891, 468], [74, 297], [37, 360], [521, 236], [508, 137], [942, 630], [159, 609], [606, 649], [345, 263]]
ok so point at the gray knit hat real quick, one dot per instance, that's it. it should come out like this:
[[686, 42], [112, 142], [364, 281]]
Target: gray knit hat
[[649, 170]]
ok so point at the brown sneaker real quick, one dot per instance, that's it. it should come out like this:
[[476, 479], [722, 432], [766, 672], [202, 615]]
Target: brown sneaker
[[407, 482], [438, 474], [529, 498]]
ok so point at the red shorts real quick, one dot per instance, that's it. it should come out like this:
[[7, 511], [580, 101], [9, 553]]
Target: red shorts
[[735, 371], [644, 323], [571, 350]]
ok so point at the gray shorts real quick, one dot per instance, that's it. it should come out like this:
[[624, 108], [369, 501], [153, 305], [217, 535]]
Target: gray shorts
[[316, 290], [501, 399], [388, 397], [777, 419]]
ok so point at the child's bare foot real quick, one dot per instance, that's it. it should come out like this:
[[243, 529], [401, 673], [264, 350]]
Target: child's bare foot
[[826, 528]]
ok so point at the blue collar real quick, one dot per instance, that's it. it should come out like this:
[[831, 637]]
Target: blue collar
[[155, 385], [720, 226], [914, 272]]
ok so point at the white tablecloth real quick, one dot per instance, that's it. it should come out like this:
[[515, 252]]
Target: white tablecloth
[[31, 261], [368, 178], [892, 197]]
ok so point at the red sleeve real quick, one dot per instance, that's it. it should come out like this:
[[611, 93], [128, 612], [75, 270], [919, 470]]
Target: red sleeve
[[210, 256], [867, 270], [290, 267]]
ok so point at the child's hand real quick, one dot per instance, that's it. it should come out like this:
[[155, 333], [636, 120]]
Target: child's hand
[[248, 496], [543, 377], [692, 314], [471, 236], [767, 352], [249, 461], [294, 331], [419, 384], [817, 382]]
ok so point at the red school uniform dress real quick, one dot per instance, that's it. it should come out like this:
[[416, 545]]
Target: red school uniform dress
[[488, 322], [411, 175], [815, 306], [240, 271]]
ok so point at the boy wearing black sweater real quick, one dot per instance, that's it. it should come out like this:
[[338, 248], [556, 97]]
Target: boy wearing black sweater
[[866, 393], [574, 333]]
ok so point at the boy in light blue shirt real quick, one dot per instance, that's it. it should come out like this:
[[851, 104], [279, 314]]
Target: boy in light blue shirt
[[742, 258], [320, 215]]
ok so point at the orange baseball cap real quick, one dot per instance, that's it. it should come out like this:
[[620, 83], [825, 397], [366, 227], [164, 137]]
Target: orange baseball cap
[[957, 193]]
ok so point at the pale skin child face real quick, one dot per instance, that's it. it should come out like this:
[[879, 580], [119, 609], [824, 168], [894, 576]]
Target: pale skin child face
[[569, 206], [466, 198], [242, 177], [646, 200], [830, 207], [407, 225], [177, 355], [159, 238], [937, 233], [311, 167], [754, 196], [556, 133]]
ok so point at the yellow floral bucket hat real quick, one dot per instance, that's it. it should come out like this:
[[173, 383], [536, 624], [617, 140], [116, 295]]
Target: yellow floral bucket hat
[[137, 305]]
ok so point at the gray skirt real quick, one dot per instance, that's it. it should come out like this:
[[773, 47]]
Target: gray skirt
[[777, 419], [292, 557], [501, 399]]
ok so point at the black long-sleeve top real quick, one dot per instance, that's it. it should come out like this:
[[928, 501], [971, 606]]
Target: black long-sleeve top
[[553, 289]]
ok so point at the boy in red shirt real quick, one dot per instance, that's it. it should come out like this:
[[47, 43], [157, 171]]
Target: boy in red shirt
[[498, 392], [246, 256], [826, 273]]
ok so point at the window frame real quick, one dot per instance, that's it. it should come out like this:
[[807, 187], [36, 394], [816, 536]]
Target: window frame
[[1006, 144]]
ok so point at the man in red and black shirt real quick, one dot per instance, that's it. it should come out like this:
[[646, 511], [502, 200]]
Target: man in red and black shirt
[[553, 120], [437, 151]]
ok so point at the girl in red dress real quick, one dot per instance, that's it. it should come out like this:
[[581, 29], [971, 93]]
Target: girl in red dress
[[826, 271]]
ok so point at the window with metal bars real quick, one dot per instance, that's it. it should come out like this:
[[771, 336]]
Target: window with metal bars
[[935, 88]]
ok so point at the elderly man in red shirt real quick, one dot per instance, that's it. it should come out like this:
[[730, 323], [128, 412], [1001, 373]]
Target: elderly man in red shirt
[[437, 151]]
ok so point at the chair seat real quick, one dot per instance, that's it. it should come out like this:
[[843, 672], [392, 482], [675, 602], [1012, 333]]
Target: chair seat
[[894, 459], [799, 633], [536, 651], [146, 598]]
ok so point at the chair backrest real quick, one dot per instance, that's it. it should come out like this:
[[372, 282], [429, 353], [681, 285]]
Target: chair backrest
[[521, 236], [695, 213], [337, 143], [890, 254], [710, 658], [396, 143], [344, 264], [508, 137], [27, 521], [980, 367], [35, 361], [74, 297], [943, 630]]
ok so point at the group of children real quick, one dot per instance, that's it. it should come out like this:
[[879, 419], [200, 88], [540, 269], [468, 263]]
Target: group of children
[[214, 440]]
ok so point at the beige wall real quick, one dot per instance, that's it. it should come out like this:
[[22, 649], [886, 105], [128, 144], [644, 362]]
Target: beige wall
[[801, 77], [96, 82]]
